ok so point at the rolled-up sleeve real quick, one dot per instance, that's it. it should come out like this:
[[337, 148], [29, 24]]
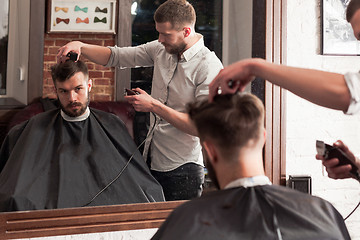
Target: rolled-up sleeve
[[130, 57], [353, 83], [210, 67]]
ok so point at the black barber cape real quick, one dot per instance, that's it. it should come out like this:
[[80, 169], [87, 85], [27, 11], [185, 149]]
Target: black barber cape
[[48, 163], [261, 212]]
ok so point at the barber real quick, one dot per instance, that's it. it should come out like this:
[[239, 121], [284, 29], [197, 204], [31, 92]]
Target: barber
[[183, 69]]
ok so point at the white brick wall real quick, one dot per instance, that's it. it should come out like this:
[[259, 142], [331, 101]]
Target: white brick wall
[[307, 122]]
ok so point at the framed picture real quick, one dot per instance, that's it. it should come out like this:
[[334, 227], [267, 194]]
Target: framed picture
[[337, 34], [90, 16]]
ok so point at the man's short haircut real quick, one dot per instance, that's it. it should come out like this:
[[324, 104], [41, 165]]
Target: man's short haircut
[[231, 121], [177, 12], [353, 6], [63, 71]]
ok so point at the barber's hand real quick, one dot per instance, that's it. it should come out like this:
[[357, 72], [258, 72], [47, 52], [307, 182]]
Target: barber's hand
[[240, 75], [141, 102], [339, 172], [74, 46]]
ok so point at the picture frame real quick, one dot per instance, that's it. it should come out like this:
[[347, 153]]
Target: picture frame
[[81, 16], [337, 34]]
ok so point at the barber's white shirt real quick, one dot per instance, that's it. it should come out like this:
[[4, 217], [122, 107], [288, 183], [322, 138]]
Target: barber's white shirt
[[175, 83], [353, 83]]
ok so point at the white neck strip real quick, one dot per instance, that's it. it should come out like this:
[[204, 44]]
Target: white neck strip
[[83, 117], [249, 182]]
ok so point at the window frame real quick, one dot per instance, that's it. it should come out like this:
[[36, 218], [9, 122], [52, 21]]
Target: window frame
[[34, 68]]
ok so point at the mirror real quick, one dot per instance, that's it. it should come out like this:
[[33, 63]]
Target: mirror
[[252, 37]]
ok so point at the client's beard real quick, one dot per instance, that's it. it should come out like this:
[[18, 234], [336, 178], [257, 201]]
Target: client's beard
[[77, 113]]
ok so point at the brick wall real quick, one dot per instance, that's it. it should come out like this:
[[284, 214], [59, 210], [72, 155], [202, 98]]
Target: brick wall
[[103, 78]]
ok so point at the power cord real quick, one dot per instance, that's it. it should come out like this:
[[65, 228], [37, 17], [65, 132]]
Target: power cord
[[126, 165], [352, 211]]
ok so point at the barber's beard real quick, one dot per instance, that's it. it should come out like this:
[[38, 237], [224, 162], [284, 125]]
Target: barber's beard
[[75, 112], [175, 49], [211, 171]]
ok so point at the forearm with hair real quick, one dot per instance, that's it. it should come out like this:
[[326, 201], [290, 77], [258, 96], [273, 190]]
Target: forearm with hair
[[96, 54], [323, 88], [178, 119]]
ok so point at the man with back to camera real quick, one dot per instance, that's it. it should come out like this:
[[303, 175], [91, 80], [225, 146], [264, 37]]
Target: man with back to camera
[[327, 89], [232, 133], [63, 157], [183, 68]]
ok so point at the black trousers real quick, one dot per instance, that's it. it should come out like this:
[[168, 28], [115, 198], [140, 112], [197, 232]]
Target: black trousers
[[183, 183]]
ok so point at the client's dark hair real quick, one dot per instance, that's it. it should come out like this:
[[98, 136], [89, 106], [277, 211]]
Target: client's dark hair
[[231, 121], [353, 6], [63, 71]]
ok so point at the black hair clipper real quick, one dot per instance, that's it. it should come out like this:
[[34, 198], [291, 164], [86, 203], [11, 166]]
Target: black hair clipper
[[72, 56], [330, 152]]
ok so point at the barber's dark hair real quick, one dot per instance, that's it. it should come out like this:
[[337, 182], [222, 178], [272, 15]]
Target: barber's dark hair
[[231, 121], [353, 6], [177, 12], [63, 71]]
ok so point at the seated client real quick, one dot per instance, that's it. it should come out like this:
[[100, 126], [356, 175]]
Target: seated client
[[64, 157], [248, 206]]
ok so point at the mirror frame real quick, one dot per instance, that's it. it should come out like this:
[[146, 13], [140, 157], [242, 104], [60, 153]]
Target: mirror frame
[[69, 221]]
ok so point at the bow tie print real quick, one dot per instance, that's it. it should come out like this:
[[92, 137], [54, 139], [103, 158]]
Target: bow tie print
[[97, 9], [59, 20], [96, 20], [77, 8], [86, 20], [65, 9]]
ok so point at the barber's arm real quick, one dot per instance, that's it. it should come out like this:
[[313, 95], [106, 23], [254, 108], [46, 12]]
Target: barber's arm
[[323, 88], [335, 171], [143, 102], [95, 53]]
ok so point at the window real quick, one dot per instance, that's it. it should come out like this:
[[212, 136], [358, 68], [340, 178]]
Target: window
[[208, 23], [14, 57]]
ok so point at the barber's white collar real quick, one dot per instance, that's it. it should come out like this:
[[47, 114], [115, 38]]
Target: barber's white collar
[[249, 182], [76, 119]]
